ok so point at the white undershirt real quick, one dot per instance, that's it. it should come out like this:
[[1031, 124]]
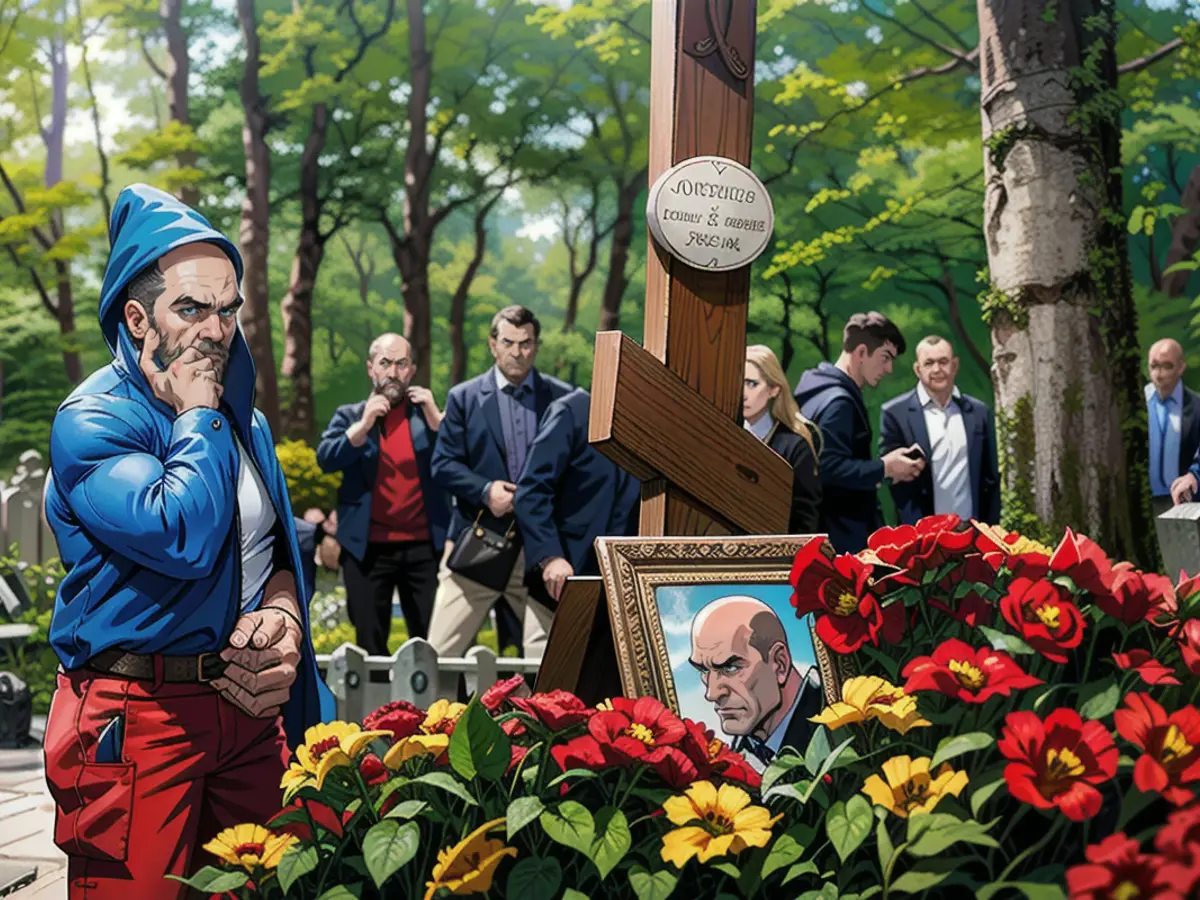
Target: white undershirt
[[257, 517], [948, 455]]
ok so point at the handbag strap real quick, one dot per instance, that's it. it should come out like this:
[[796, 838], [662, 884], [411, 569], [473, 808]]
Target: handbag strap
[[507, 534]]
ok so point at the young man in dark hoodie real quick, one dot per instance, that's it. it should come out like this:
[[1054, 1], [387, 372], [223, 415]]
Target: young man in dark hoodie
[[851, 473]]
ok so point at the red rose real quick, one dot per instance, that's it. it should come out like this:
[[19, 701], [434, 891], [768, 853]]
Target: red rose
[[635, 731], [1134, 595], [1151, 670], [373, 770], [493, 698], [399, 717], [973, 676], [1043, 615], [917, 549], [1081, 559], [556, 710], [838, 590], [1116, 868], [1058, 762], [1170, 745]]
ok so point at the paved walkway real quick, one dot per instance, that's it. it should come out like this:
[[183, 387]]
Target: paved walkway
[[27, 833]]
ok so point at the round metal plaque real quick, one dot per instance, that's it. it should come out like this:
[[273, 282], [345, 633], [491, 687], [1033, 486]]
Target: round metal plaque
[[711, 212]]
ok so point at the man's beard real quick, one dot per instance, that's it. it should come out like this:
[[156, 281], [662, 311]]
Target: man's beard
[[394, 389], [218, 353]]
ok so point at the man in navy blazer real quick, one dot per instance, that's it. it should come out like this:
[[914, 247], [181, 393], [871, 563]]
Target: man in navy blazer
[[482, 446], [568, 495], [957, 436], [391, 517]]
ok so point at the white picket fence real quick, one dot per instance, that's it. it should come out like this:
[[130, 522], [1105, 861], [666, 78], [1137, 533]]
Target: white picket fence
[[414, 673], [21, 519]]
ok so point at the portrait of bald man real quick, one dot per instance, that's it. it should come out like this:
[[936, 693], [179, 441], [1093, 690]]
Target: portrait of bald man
[[762, 699], [1171, 414]]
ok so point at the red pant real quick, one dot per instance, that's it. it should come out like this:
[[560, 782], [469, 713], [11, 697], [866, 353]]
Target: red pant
[[192, 765]]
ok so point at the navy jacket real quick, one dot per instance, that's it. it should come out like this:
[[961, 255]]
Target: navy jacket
[[470, 445], [1189, 432], [902, 424], [850, 471], [360, 466], [569, 493]]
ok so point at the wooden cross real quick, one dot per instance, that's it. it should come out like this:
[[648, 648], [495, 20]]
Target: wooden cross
[[668, 411]]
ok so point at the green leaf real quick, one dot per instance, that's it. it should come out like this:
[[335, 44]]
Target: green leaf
[[917, 880], [521, 812], [535, 878], [1009, 643], [889, 665], [794, 790], [828, 892], [848, 824], [981, 795], [808, 867], [408, 809], [883, 841], [727, 868], [785, 851], [388, 846], [612, 840], [826, 766], [949, 748], [652, 886], [572, 773], [1029, 889], [1135, 219], [342, 892], [388, 789], [818, 750], [296, 862], [571, 825], [479, 748], [1135, 801], [1099, 699], [572, 894], [211, 880], [444, 781], [930, 834], [780, 766]]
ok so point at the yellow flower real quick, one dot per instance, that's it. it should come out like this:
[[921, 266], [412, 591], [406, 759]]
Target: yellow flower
[[250, 846], [416, 745], [725, 823], [605, 706], [469, 866], [869, 697], [327, 746], [909, 788], [441, 717], [1019, 544]]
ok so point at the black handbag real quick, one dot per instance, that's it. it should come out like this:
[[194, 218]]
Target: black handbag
[[484, 556]]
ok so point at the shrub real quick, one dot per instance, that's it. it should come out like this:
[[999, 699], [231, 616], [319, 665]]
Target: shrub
[[33, 661], [307, 485]]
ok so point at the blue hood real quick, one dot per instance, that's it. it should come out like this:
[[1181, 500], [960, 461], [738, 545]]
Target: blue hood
[[146, 225]]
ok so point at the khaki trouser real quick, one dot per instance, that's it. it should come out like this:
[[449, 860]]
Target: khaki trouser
[[461, 606]]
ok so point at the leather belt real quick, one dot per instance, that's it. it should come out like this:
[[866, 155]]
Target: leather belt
[[197, 669]]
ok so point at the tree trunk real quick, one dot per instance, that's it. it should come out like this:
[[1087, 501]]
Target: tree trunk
[[177, 84], [1068, 404], [300, 416], [1185, 235], [458, 303], [618, 253], [256, 226]]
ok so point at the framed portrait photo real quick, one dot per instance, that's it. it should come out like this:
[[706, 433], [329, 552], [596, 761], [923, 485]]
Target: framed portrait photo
[[707, 626]]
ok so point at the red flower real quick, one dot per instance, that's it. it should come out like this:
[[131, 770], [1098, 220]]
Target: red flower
[[636, 731], [1081, 559], [583, 752], [1189, 645], [1043, 615], [556, 710], [324, 816], [512, 727], [839, 590], [970, 609], [1058, 762], [973, 676], [373, 770], [1151, 670], [1171, 745], [917, 549], [518, 754], [297, 828], [1116, 869], [399, 717], [712, 755], [493, 698], [1179, 843], [1134, 595]]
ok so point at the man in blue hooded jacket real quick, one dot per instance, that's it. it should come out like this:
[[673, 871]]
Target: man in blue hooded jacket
[[187, 667]]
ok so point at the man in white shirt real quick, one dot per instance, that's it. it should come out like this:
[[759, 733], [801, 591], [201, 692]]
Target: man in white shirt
[[957, 435]]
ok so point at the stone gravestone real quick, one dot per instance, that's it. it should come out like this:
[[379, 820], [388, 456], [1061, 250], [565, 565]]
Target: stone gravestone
[[23, 523], [1179, 539]]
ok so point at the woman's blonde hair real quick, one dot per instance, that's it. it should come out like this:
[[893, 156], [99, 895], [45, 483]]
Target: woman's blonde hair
[[784, 408]]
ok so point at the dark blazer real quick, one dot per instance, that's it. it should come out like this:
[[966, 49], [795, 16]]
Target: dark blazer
[[1189, 429], [470, 449], [306, 537], [902, 423], [360, 466], [569, 493], [800, 730], [805, 517]]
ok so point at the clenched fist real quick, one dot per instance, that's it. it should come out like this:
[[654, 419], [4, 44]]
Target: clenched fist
[[262, 657]]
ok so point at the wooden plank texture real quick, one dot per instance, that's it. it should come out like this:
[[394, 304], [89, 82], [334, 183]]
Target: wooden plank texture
[[583, 661]]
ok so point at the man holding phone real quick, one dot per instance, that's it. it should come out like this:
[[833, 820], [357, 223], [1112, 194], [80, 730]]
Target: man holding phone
[[954, 433]]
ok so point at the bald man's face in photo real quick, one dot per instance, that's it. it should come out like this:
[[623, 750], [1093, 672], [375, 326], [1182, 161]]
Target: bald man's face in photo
[[742, 686]]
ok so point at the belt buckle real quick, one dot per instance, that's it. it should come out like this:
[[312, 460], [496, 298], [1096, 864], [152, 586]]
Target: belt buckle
[[218, 669]]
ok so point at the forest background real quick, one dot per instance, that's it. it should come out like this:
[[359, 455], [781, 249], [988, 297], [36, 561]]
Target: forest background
[[409, 166]]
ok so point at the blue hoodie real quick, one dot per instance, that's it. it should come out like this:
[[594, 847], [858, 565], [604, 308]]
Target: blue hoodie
[[143, 503]]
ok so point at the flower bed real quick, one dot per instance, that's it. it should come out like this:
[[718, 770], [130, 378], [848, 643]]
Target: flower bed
[[1022, 723]]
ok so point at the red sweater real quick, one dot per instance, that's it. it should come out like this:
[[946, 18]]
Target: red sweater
[[397, 505]]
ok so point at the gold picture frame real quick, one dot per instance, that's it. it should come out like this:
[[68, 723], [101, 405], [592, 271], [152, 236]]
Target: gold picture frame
[[634, 568]]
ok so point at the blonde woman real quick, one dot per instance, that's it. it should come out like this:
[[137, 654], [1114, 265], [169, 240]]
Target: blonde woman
[[771, 414]]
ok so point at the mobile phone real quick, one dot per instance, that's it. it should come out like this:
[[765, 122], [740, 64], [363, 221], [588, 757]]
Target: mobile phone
[[915, 453], [111, 742]]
